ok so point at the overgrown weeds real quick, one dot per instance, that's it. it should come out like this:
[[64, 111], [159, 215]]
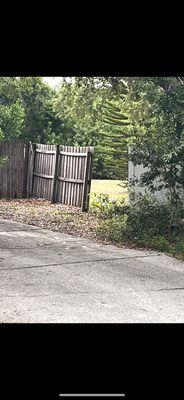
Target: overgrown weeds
[[146, 222]]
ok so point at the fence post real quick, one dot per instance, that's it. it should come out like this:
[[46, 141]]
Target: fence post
[[26, 161], [53, 194], [89, 179], [85, 184], [30, 180]]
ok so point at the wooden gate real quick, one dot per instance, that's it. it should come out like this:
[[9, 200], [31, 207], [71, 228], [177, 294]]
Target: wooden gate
[[13, 174], [60, 174]]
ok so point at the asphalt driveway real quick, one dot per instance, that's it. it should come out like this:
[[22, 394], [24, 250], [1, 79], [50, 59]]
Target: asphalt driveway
[[53, 277]]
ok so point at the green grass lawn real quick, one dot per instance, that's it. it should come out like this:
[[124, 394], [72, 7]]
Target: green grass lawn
[[110, 187]]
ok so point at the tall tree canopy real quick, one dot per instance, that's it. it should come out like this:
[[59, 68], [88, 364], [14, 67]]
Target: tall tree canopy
[[156, 109], [84, 105], [40, 119], [26, 110], [12, 113]]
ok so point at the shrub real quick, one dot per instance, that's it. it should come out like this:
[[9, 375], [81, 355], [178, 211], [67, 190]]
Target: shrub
[[113, 228], [179, 247], [156, 242], [145, 221], [104, 205], [147, 215]]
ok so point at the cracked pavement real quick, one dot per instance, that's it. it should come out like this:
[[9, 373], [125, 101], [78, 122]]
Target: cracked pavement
[[53, 277]]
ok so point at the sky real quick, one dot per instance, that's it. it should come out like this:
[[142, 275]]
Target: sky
[[52, 81]]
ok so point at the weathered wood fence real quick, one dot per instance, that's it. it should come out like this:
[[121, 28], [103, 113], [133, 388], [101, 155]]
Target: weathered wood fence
[[13, 175], [53, 172]]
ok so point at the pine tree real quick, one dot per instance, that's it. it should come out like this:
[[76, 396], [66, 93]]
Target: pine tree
[[114, 140]]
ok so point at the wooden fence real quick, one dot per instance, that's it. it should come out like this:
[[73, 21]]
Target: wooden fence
[[56, 173], [13, 175]]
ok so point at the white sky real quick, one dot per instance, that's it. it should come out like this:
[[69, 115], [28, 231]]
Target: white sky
[[54, 81]]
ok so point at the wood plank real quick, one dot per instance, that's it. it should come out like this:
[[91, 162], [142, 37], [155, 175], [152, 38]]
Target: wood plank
[[1, 175], [45, 151], [43, 170], [26, 160], [35, 179], [49, 171], [89, 179], [46, 165], [64, 183], [47, 160], [55, 164], [61, 172], [69, 176], [73, 154], [10, 172], [72, 177], [61, 178], [84, 194], [4, 171], [8, 152], [78, 164], [81, 175], [33, 148], [59, 183]]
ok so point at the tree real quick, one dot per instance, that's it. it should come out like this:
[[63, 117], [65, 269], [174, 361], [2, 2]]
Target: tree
[[11, 111], [155, 107], [114, 143], [82, 106], [40, 119]]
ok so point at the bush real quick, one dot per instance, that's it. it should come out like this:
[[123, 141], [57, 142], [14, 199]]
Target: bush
[[156, 242], [113, 228], [145, 222], [105, 206], [147, 215], [179, 247]]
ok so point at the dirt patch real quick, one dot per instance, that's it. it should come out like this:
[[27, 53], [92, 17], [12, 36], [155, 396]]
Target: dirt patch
[[56, 217]]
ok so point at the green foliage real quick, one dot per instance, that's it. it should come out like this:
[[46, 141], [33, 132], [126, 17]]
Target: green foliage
[[11, 111], [146, 223], [26, 110], [113, 136], [40, 119], [155, 107], [3, 161], [179, 247], [102, 204], [11, 120], [9, 90], [82, 106], [111, 228], [158, 242]]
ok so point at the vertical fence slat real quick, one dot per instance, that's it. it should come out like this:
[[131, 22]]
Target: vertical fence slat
[[89, 179], [25, 170], [53, 194], [69, 176], [84, 205], [33, 156], [77, 176]]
